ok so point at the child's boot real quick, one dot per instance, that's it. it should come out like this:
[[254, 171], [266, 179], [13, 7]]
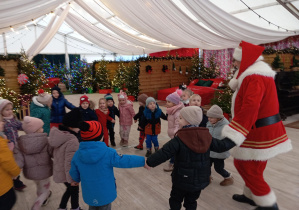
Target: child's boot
[[112, 141], [125, 143], [121, 142], [47, 199], [156, 149], [139, 147], [168, 167], [227, 181], [18, 184], [148, 152]]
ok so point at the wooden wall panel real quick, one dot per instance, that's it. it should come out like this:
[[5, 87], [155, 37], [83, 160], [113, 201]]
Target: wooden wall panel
[[11, 74], [285, 58], [157, 80]]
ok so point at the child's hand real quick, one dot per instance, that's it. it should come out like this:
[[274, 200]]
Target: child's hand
[[140, 128], [135, 121], [74, 184], [146, 166], [113, 121]]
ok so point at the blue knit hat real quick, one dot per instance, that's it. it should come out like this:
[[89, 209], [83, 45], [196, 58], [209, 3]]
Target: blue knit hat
[[108, 96]]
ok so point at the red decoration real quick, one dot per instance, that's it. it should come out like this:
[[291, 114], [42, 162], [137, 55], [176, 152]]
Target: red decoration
[[105, 91], [148, 69], [182, 52], [131, 98], [22, 79], [40, 91]]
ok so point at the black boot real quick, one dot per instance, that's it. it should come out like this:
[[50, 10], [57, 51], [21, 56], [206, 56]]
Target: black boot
[[274, 207], [243, 199], [148, 153], [18, 184], [112, 142]]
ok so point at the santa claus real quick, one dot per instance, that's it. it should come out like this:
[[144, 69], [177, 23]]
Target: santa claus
[[256, 127]]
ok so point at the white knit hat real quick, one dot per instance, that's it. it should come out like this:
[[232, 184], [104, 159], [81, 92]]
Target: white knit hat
[[32, 124], [44, 98], [3, 103], [215, 111], [192, 114]]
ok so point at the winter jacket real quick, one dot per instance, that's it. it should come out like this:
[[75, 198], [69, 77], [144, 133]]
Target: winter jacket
[[126, 113], [151, 121], [173, 116], [11, 127], [215, 130], [204, 120], [65, 145], [113, 110], [8, 167], [42, 112], [93, 165], [102, 117], [33, 154], [191, 150], [88, 114], [139, 116], [58, 108]]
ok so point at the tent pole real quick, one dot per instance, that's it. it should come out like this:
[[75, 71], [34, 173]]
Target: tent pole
[[4, 44], [67, 60]]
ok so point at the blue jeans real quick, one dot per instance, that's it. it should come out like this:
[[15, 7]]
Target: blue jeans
[[150, 139]]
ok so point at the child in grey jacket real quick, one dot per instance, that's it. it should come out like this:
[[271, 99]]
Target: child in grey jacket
[[215, 125]]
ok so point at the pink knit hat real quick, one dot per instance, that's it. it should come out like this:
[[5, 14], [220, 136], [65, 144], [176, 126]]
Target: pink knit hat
[[3, 103], [122, 95], [32, 124], [175, 97]]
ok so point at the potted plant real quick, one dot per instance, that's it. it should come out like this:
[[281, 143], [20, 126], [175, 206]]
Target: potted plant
[[277, 64]]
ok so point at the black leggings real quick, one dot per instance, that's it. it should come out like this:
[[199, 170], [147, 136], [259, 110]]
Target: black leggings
[[219, 167], [73, 192], [8, 200]]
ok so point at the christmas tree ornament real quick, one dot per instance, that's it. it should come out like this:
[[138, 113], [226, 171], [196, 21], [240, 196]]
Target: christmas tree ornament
[[22, 79], [148, 69], [180, 71]]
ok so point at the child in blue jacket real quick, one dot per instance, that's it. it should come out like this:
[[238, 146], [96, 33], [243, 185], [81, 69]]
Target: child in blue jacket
[[93, 165]]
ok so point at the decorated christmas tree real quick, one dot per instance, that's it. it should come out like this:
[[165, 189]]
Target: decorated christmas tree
[[81, 80], [210, 72], [36, 78], [10, 95], [119, 77], [102, 76], [197, 64], [132, 79], [46, 67], [277, 64]]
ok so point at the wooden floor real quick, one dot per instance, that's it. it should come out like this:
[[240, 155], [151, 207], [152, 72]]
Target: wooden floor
[[141, 189]]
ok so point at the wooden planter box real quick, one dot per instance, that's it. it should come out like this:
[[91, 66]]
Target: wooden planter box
[[131, 98], [105, 91]]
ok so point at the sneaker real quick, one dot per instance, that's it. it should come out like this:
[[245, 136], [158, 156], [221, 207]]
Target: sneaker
[[139, 147], [227, 181], [18, 184], [243, 199], [126, 143], [148, 153], [47, 200], [168, 167]]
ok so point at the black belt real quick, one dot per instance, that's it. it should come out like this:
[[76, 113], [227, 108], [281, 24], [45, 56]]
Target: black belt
[[267, 121]]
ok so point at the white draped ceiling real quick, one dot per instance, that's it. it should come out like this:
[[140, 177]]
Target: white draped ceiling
[[158, 25]]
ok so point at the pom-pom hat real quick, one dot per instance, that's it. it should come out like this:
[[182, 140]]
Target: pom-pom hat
[[32, 124], [91, 131], [43, 97], [84, 98], [175, 97], [122, 95], [108, 97]]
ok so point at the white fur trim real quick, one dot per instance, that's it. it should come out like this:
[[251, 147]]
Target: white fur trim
[[265, 200], [234, 135], [237, 54], [242, 153], [259, 68], [247, 192], [34, 99]]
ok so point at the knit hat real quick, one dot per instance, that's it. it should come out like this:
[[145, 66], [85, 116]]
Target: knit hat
[[72, 118], [247, 53], [142, 98], [175, 97], [57, 89], [43, 97], [215, 111], [84, 98], [122, 95], [192, 114], [149, 99], [91, 131], [3, 103], [32, 124], [108, 97]]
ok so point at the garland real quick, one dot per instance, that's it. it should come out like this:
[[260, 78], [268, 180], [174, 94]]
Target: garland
[[292, 50]]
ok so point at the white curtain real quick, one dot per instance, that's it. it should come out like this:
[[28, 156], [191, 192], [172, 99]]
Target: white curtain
[[18, 12], [47, 34], [131, 38], [230, 26]]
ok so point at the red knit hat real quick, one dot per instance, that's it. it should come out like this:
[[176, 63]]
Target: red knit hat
[[91, 131], [84, 99], [249, 53]]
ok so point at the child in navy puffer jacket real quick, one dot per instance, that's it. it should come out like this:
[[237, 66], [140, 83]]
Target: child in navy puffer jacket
[[58, 106]]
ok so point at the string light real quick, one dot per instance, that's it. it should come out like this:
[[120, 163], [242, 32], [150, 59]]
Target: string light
[[11, 28], [270, 23]]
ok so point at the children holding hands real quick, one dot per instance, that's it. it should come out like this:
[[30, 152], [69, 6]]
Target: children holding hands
[[142, 101], [88, 114], [113, 111]]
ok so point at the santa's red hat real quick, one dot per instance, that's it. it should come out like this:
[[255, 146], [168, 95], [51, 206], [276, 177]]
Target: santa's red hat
[[247, 53]]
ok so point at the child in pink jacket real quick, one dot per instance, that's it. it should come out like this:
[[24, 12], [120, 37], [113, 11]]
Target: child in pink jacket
[[174, 106], [126, 114], [33, 155]]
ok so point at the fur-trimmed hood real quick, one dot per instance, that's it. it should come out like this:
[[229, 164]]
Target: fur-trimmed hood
[[34, 100]]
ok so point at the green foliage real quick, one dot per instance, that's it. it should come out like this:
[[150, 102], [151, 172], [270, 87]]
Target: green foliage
[[102, 76], [119, 77], [277, 64], [295, 62], [197, 65], [223, 98], [36, 78], [132, 79], [2, 72], [10, 95], [80, 76], [210, 72]]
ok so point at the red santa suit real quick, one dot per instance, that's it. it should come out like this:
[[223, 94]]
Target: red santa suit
[[256, 127]]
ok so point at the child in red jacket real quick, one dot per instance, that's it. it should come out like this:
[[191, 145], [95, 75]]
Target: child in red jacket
[[103, 115]]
